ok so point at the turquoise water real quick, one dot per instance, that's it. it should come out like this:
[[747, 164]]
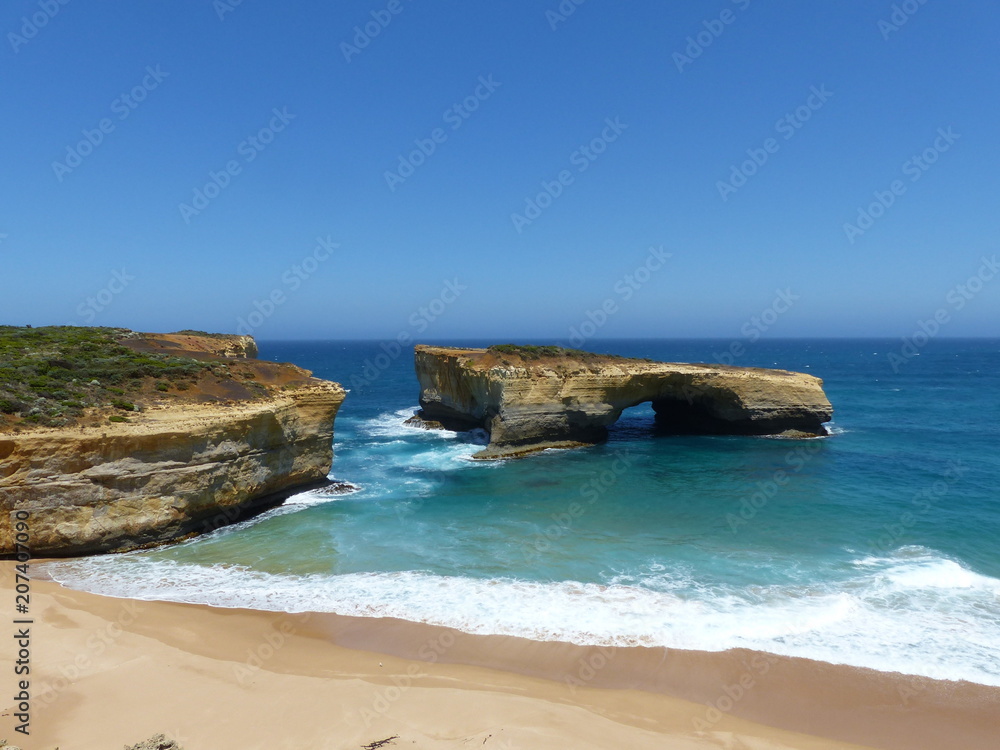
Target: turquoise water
[[875, 547]]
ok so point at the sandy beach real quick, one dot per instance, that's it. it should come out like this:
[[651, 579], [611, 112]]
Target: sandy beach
[[106, 672]]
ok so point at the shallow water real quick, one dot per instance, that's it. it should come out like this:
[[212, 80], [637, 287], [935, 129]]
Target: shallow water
[[879, 549]]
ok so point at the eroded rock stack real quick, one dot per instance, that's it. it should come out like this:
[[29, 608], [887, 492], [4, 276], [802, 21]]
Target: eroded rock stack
[[531, 398]]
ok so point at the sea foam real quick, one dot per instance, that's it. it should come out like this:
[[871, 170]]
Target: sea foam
[[920, 614]]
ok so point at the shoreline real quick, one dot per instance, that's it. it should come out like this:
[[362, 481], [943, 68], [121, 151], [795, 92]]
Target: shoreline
[[271, 678]]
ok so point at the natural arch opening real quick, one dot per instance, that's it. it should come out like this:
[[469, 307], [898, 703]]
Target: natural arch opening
[[637, 421], [665, 416], [686, 416]]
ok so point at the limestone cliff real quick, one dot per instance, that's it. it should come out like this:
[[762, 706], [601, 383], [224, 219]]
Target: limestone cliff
[[529, 398], [197, 456]]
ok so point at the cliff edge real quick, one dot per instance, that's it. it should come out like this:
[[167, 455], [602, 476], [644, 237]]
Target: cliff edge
[[531, 398], [180, 434]]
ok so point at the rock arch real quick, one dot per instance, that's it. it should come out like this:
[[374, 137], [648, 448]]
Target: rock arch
[[563, 398]]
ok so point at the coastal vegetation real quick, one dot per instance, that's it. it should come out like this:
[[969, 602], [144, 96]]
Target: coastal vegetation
[[51, 375]]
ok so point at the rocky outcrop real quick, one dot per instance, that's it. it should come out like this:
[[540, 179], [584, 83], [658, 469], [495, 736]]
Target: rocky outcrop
[[156, 742], [193, 343], [175, 468], [528, 400]]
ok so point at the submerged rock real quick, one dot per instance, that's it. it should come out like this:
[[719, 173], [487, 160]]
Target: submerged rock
[[157, 742]]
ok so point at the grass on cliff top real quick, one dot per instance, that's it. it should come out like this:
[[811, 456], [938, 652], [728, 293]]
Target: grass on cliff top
[[50, 375], [530, 353]]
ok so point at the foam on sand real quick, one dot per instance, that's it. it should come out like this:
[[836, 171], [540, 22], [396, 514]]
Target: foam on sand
[[872, 618]]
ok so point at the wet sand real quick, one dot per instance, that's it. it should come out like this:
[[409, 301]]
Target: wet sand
[[106, 672]]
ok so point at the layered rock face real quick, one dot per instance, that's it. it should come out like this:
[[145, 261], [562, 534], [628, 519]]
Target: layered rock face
[[528, 403], [171, 470]]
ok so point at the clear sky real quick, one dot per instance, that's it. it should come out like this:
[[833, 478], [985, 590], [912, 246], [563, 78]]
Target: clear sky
[[448, 168]]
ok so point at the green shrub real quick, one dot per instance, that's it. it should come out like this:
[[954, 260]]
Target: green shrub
[[533, 352], [53, 368], [117, 418]]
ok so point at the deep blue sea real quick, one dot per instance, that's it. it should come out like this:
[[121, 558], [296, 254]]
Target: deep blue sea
[[878, 546]]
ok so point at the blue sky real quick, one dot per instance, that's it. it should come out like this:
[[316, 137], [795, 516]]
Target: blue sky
[[374, 184]]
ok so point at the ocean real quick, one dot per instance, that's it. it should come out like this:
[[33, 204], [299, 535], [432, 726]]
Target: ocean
[[874, 547]]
